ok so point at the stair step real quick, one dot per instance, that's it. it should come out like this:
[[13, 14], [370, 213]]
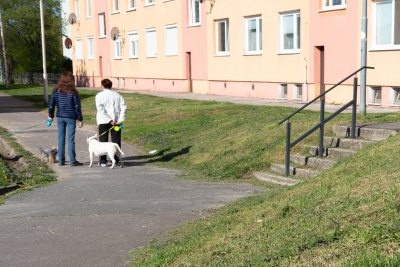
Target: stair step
[[336, 153], [275, 179], [356, 144], [306, 173], [372, 131], [312, 161]]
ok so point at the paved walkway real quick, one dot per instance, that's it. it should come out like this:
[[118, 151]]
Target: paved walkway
[[253, 101], [94, 216]]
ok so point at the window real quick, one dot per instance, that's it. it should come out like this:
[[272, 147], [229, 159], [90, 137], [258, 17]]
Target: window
[[298, 92], [149, 2], [290, 32], [116, 5], [122, 83], [102, 23], [151, 43], [375, 95], [77, 10], [253, 36], [387, 24], [78, 48], [333, 4], [118, 48], [283, 91], [89, 8], [90, 46], [116, 82], [133, 44], [132, 4], [194, 13], [222, 37], [171, 40], [395, 96]]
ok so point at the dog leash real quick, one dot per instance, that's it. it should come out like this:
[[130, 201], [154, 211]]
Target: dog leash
[[107, 131], [21, 130]]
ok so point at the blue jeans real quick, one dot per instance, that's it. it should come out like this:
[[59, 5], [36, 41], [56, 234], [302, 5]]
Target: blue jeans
[[63, 124]]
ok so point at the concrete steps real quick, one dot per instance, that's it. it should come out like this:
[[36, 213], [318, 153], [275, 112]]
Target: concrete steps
[[335, 148]]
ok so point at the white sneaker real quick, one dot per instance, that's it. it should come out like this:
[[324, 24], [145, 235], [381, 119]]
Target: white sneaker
[[102, 164]]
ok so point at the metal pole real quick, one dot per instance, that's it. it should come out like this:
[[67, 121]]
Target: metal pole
[[45, 85], [4, 51], [363, 82], [353, 119], [287, 169], [321, 130]]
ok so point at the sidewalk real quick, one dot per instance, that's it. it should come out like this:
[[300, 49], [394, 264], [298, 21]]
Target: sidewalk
[[95, 216], [251, 101]]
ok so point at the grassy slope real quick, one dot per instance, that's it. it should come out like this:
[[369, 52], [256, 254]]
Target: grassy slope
[[336, 218]]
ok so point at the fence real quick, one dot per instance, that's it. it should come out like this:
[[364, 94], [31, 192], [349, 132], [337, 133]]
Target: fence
[[37, 78]]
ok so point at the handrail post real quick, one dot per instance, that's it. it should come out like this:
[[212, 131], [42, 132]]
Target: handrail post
[[354, 113], [321, 131], [287, 167]]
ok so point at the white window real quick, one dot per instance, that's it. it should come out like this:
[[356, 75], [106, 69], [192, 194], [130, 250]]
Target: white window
[[222, 37], [375, 95], [116, 82], [283, 91], [194, 12], [290, 32], [77, 10], [333, 4], [115, 5], [297, 92], [387, 24], [171, 40], [118, 48], [132, 4], [149, 2], [102, 23], [122, 83], [90, 47], [78, 49], [253, 36], [395, 96], [89, 8], [133, 44], [151, 43]]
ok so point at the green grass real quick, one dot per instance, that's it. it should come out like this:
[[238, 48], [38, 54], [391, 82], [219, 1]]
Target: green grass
[[32, 174], [348, 216]]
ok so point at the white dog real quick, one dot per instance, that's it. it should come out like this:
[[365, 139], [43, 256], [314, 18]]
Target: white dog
[[100, 149]]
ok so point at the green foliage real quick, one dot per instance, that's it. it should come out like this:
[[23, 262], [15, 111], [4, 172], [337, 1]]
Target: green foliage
[[21, 22]]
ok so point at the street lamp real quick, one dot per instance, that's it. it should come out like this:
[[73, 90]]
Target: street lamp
[[45, 81], [363, 80]]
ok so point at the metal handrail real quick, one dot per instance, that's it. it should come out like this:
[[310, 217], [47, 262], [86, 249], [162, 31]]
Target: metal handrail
[[322, 122], [321, 95]]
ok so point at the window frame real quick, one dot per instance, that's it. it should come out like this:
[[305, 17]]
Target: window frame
[[332, 7], [192, 14], [77, 10], [217, 38], [118, 44], [90, 40], [89, 6], [296, 88], [114, 3], [171, 26], [102, 25], [258, 51], [372, 95], [147, 43], [391, 46], [281, 95], [132, 33], [295, 50], [130, 6], [149, 3], [80, 47]]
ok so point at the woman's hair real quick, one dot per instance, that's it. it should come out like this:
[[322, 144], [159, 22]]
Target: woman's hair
[[66, 83], [107, 83]]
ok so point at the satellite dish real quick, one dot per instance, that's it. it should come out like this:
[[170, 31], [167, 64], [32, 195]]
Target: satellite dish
[[68, 43], [72, 19], [114, 33]]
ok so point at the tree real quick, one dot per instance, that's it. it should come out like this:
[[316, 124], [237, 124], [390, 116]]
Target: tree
[[21, 22]]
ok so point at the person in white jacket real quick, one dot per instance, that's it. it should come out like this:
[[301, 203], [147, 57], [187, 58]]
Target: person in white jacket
[[111, 111]]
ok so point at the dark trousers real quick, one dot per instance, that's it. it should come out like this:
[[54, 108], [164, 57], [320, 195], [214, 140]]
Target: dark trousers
[[115, 138]]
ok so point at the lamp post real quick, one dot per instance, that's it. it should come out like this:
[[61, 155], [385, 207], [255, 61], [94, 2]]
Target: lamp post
[[363, 80], [4, 51], [45, 81]]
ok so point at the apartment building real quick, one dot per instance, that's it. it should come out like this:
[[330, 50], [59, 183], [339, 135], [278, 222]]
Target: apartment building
[[276, 49]]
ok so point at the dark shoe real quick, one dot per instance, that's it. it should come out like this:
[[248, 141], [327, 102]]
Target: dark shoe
[[61, 164], [76, 163]]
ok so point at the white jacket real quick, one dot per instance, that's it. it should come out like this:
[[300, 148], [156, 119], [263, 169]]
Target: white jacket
[[110, 107]]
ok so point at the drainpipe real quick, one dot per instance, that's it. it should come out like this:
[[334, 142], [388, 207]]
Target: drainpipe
[[363, 80], [305, 94]]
